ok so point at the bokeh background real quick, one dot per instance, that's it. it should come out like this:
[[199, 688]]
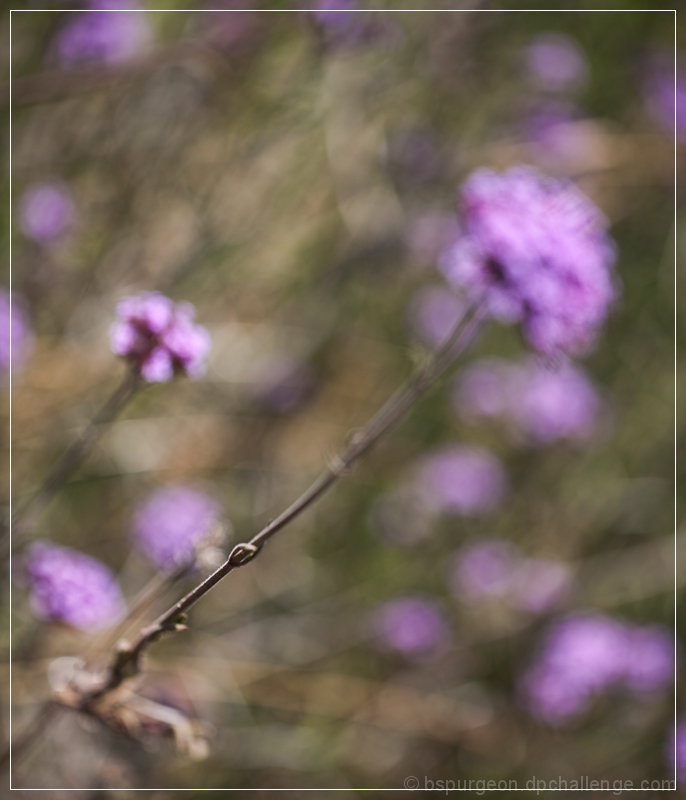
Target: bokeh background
[[295, 176]]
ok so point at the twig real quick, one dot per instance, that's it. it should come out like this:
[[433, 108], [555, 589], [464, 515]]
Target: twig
[[144, 600], [126, 661]]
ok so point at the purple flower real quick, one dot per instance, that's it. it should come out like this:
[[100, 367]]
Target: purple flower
[[484, 389], [556, 62], [342, 25], [485, 569], [434, 313], [650, 658], [45, 211], [676, 750], [495, 568], [71, 587], [543, 404], [159, 337], [554, 130], [665, 92], [411, 625], [461, 480], [537, 252], [334, 12], [16, 333], [585, 654], [552, 404], [105, 34], [581, 656], [172, 523]]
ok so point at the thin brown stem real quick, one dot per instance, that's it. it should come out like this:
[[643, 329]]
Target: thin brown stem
[[126, 662], [155, 589]]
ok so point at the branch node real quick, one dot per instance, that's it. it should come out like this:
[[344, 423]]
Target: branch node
[[243, 553]]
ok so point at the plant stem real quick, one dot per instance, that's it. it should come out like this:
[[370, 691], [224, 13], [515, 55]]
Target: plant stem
[[126, 662]]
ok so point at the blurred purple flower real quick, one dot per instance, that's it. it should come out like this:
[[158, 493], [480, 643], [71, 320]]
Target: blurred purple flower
[[461, 480], [551, 131], [106, 34], [334, 12], [665, 90], [159, 337], [556, 62], [483, 389], [485, 569], [434, 312], [16, 333], [70, 587], [536, 250], [650, 658], [581, 655], [584, 654], [539, 585], [172, 523], [676, 750], [496, 568], [411, 625], [45, 211], [543, 403], [552, 404], [342, 24]]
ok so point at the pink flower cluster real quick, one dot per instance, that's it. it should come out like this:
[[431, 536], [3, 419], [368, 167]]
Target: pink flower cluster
[[587, 654], [70, 587], [536, 251], [159, 337]]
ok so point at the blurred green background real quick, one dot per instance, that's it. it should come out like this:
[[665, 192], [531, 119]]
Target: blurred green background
[[289, 180]]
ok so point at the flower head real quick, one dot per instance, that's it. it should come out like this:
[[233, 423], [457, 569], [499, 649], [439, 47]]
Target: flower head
[[585, 654], [676, 750], [485, 568], [159, 337], [106, 34], [334, 12], [15, 332], [665, 93], [71, 587], [172, 523], [650, 658], [496, 568], [556, 62], [543, 404], [411, 625], [536, 251], [45, 211], [553, 404], [461, 480], [483, 389]]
